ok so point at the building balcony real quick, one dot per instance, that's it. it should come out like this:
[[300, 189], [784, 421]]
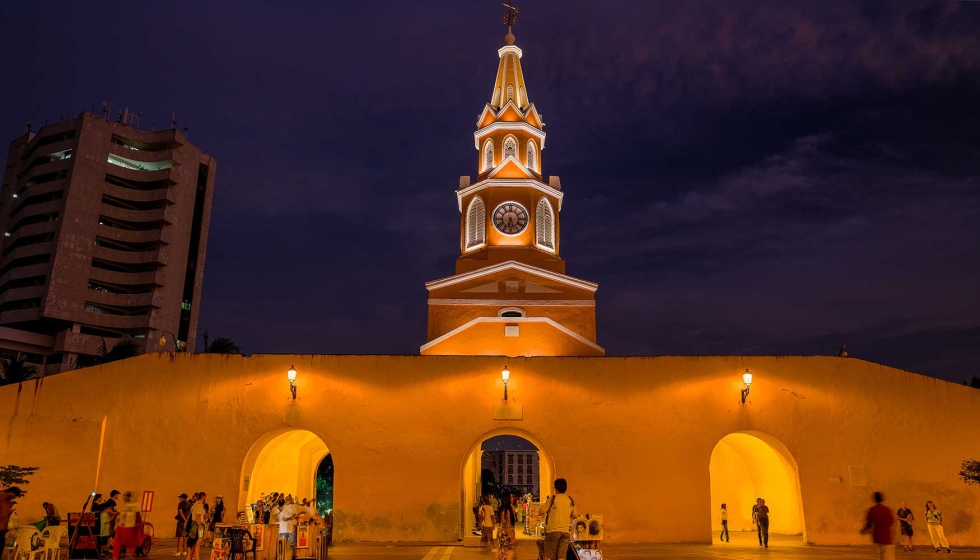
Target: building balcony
[[47, 150], [163, 157], [127, 278], [158, 215], [29, 251], [118, 322], [27, 292], [129, 235], [125, 300], [67, 341], [134, 195], [44, 168], [40, 208], [127, 257], [32, 229], [171, 175], [20, 315], [25, 272]]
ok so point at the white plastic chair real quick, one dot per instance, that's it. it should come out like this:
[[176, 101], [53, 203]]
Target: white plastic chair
[[52, 541], [25, 538]]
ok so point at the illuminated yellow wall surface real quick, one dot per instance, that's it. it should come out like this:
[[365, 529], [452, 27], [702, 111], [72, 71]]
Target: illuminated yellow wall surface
[[633, 436]]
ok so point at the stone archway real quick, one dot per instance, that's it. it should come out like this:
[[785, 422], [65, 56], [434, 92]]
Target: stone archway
[[470, 475], [749, 465], [282, 461]]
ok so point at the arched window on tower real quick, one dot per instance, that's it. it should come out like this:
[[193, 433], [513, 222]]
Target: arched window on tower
[[523, 98], [532, 156], [488, 155], [476, 223], [510, 147], [496, 97], [510, 93], [544, 219]]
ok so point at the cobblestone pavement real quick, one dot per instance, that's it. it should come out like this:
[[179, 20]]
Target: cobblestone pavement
[[740, 549]]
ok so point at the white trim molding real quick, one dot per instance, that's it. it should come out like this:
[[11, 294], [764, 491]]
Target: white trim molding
[[512, 320], [510, 49], [511, 126], [511, 265], [504, 160], [508, 183], [512, 302]]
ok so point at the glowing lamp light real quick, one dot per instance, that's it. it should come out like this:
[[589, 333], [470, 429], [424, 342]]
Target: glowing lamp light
[[747, 379], [291, 376], [505, 374]]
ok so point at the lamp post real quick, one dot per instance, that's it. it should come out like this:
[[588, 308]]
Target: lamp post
[[291, 376], [505, 374], [747, 379]]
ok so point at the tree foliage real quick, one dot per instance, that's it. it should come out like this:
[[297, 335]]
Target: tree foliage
[[16, 370], [220, 345], [12, 475], [125, 348], [974, 382], [970, 472]]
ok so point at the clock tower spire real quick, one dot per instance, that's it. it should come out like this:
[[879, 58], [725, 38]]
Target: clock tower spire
[[510, 294]]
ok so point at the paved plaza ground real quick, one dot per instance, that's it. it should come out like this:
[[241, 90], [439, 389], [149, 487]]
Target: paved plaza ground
[[742, 547]]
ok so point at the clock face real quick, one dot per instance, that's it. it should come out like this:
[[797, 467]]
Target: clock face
[[510, 218]]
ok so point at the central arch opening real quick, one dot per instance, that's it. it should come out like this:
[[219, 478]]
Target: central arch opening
[[745, 466], [502, 459], [293, 462]]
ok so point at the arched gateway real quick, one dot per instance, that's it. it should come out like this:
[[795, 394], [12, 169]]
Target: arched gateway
[[284, 461], [471, 478], [748, 465]]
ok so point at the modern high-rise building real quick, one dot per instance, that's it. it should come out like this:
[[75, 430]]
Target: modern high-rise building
[[105, 230]]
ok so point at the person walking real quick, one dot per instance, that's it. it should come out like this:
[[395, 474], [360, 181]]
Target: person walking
[[762, 515], [486, 522], [879, 523], [724, 523], [126, 522], [183, 510], [6, 508], [287, 523], [506, 537], [934, 523], [905, 519], [558, 513]]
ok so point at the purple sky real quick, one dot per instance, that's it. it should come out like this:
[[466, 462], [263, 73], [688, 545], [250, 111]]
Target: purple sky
[[740, 177]]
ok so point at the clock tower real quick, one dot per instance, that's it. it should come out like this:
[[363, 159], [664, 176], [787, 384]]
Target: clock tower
[[510, 294]]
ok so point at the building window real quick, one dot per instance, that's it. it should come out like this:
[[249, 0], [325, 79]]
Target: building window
[[476, 223], [520, 459], [520, 469], [530, 470], [510, 147], [510, 459], [520, 479], [545, 225], [510, 469], [523, 98], [529, 459], [488, 155], [510, 479], [496, 97], [511, 312], [532, 157], [510, 93]]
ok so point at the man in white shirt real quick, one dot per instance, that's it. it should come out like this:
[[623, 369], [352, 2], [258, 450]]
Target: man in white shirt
[[486, 525], [287, 523], [559, 513]]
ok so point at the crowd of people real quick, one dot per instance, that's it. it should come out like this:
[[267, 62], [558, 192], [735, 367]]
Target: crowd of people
[[195, 523], [879, 524], [501, 516], [287, 512]]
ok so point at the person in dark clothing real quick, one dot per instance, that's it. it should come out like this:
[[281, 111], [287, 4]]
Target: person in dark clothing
[[905, 519], [762, 517], [879, 524]]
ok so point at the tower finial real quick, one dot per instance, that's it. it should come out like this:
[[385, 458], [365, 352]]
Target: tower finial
[[510, 20]]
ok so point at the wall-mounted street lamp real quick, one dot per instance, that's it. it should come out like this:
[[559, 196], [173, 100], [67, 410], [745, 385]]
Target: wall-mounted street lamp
[[747, 379], [179, 346], [505, 374], [291, 375]]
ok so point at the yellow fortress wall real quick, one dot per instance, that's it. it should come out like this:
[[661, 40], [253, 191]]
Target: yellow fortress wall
[[634, 437]]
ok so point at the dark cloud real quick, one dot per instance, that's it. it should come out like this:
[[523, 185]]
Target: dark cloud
[[750, 177]]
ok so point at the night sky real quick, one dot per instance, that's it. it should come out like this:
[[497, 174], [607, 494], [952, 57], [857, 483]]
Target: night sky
[[740, 177]]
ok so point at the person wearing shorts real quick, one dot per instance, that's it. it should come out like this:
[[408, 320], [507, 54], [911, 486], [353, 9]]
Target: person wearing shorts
[[905, 519], [287, 523], [559, 513]]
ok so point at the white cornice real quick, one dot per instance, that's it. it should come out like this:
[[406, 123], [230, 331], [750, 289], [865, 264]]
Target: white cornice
[[507, 183], [519, 302], [512, 321], [505, 125], [511, 265], [510, 49]]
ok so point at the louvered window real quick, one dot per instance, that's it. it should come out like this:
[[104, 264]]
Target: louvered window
[[523, 98], [510, 93], [476, 223], [496, 97], [510, 147], [545, 225], [488, 156], [532, 157]]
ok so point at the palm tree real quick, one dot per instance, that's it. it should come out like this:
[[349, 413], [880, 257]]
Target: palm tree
[[16, 370], [125, 348], [220, 345]]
